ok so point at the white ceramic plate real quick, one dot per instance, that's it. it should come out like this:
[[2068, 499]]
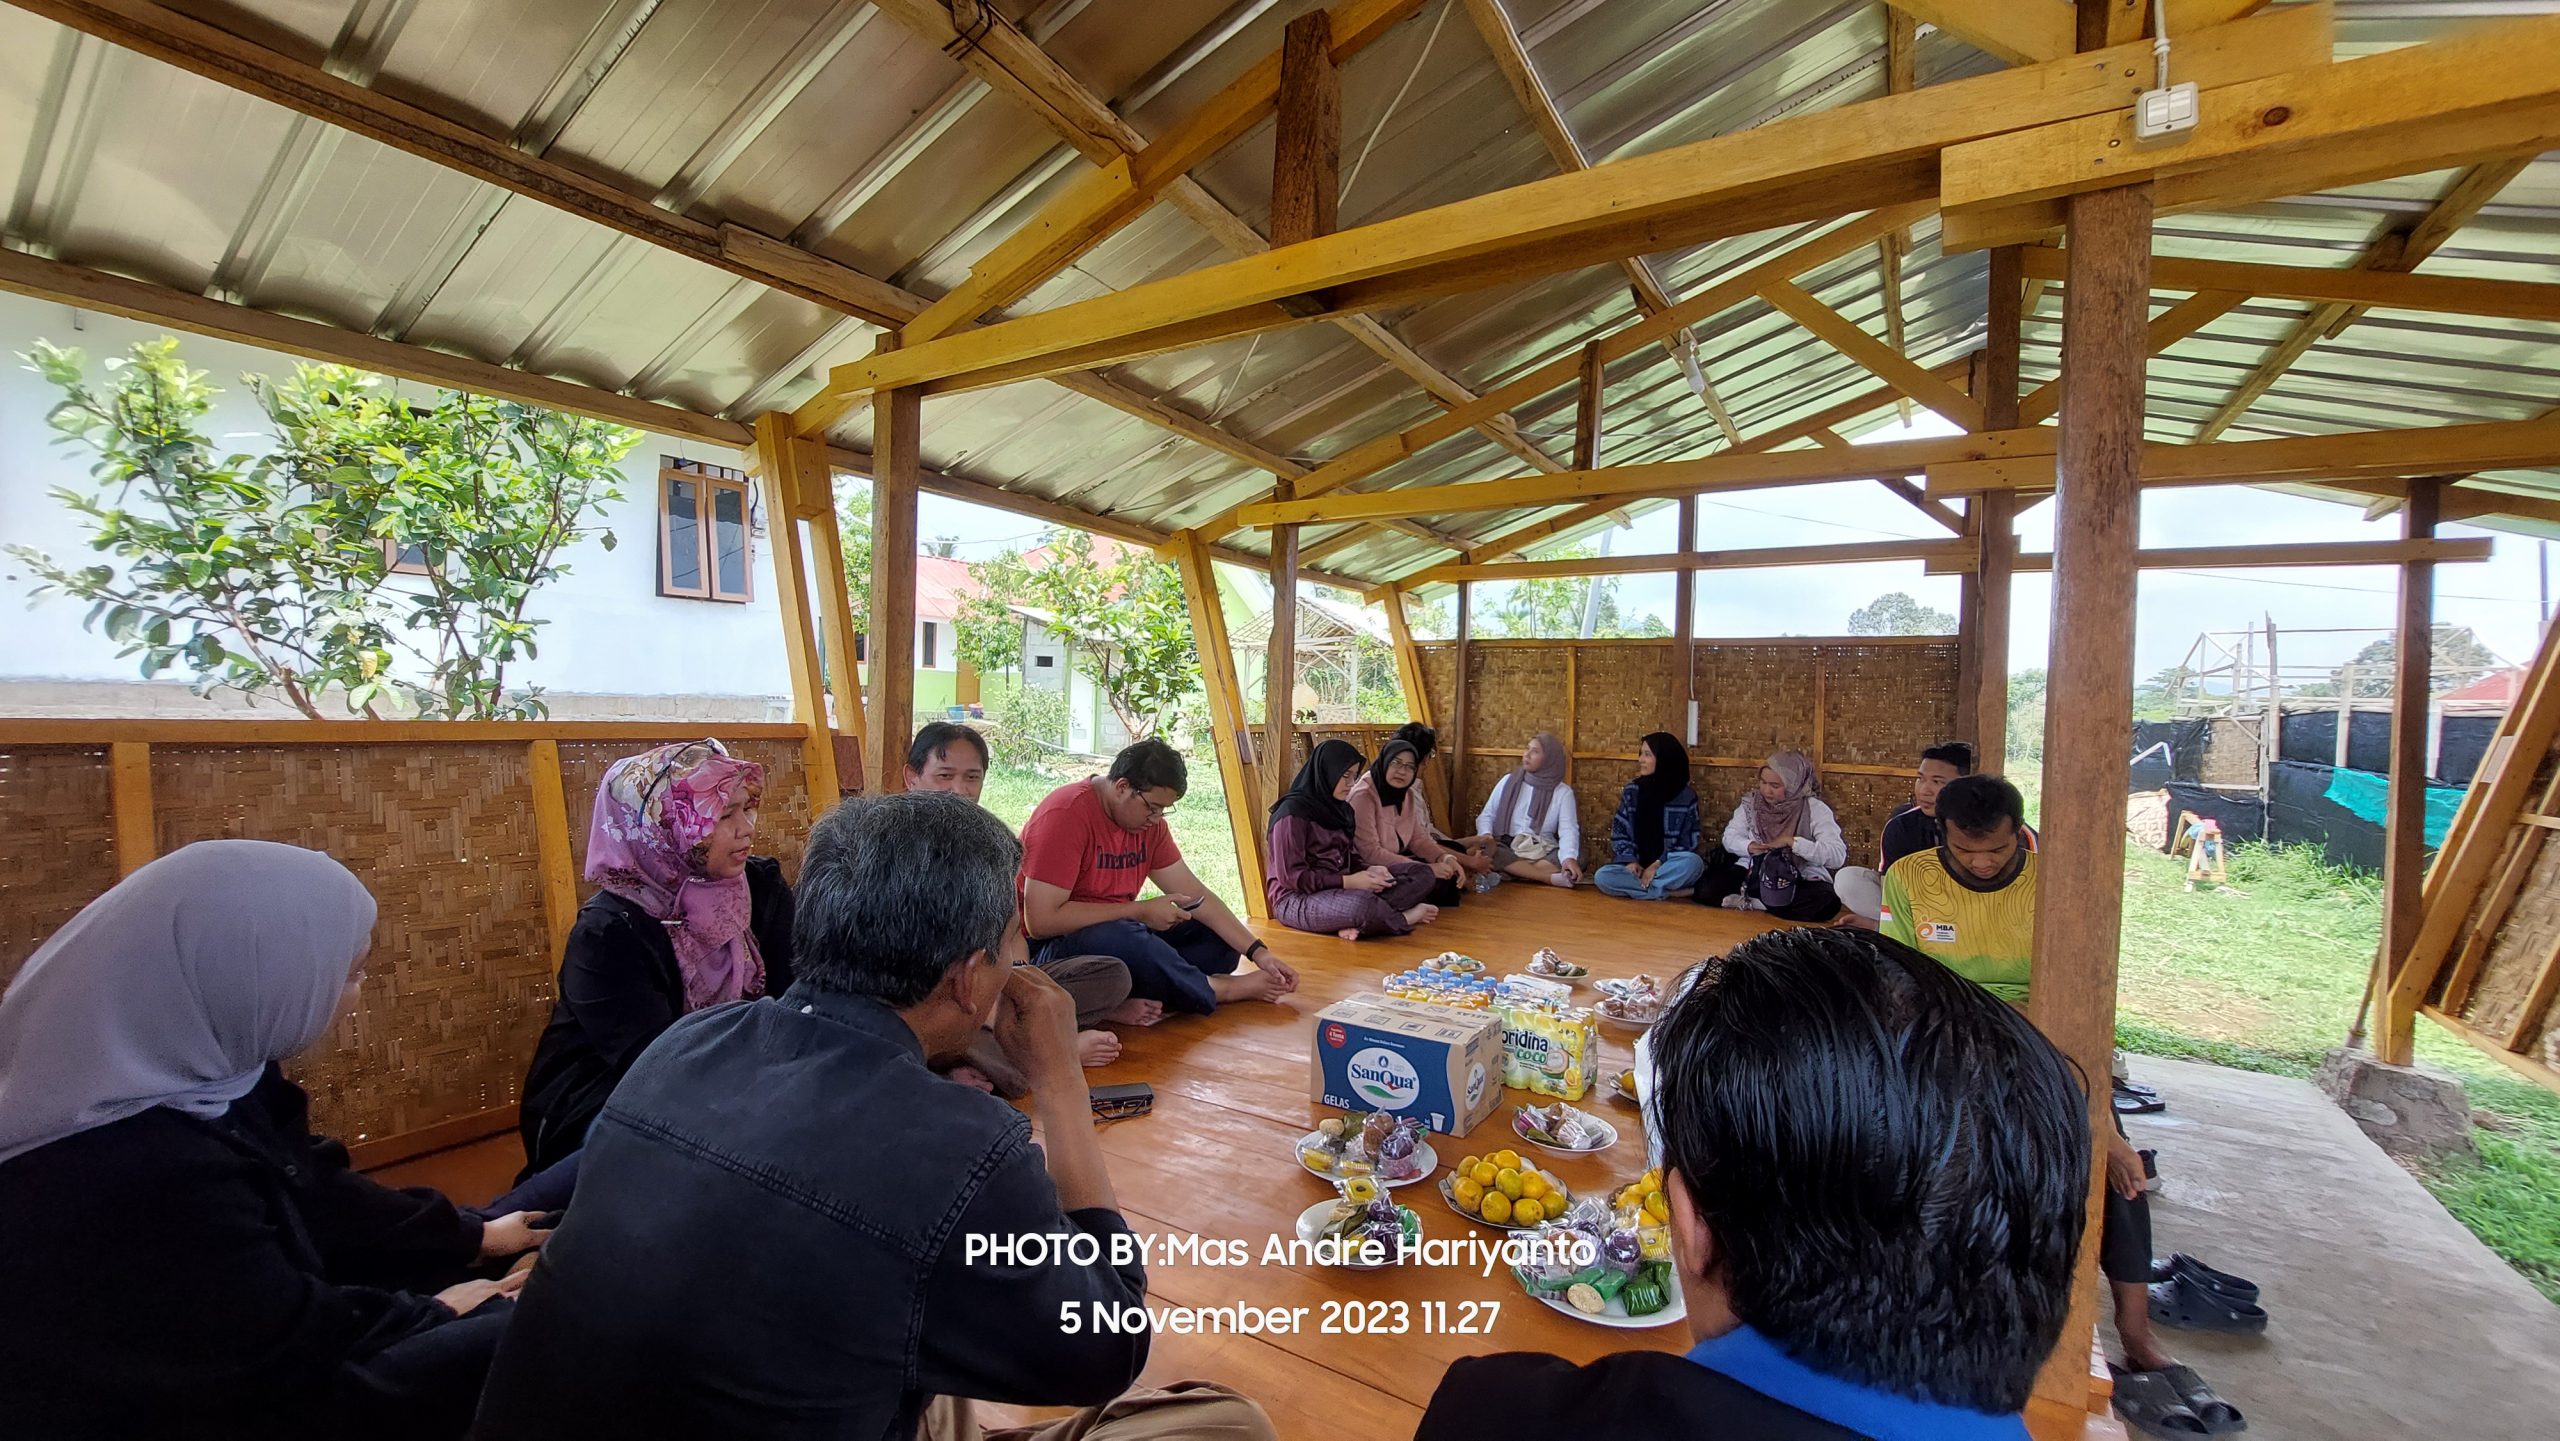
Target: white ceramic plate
[[1422, 1154], [1616, 1315], [1518, 1129], [1312, 1219]]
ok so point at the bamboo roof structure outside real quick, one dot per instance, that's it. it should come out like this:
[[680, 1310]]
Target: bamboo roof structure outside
[[829, 124]]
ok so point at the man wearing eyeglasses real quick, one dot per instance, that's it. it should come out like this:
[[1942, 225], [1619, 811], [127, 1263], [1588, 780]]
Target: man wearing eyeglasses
[[1092, 845]]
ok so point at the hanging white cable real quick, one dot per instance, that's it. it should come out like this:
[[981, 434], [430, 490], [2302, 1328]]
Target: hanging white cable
[[2160, 40], [1353, 178]]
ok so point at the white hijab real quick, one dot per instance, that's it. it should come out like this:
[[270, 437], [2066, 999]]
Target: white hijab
[[177, 987]]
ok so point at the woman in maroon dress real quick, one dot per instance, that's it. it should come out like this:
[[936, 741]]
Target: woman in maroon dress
[[1317, 881]]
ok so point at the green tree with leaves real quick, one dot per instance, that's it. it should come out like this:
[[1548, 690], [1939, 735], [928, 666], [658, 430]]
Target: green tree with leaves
[[1896, 613], [2455, 657], [1555, 607], [1127, 618], [272, 572]]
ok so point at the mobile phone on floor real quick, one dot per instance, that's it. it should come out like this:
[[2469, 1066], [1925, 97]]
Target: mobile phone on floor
[[1110, 1103]]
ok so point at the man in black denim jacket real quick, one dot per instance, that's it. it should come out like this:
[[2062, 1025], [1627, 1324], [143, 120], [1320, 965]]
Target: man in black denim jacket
[[771, 1236]]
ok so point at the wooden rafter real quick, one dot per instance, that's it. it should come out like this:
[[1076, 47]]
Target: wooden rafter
[[2021, 32], [1818, 165], [2356, 287], [1511, 57], [1946, 552], [1882, 361], [1000, 54], [2273, 557], [202, 49], [2397, 250], [2411, 451]]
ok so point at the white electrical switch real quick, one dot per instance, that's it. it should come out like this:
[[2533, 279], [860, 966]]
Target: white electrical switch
[[2164, 113]]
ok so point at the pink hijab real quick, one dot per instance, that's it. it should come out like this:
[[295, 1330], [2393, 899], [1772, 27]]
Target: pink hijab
[[652, 815], [1786, 817]]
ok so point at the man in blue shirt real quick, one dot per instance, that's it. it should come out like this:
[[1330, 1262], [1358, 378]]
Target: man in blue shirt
[[1878, 1176]]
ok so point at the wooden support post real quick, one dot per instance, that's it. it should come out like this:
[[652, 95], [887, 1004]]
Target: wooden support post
[[895, 462], [837, 623], [1306, 158], [1684, 624], [2089, 706], [1995, 516], [129, 788], [1417, 701], [791, 597], [1586, 419], [553, 851], [1230, 733], [2404, 841], [1280, 667], [1458, 737]]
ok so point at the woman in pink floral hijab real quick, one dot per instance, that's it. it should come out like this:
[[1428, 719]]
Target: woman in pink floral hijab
[[684, 917]]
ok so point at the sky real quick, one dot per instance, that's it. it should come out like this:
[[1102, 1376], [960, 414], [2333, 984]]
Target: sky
[[2498, 599]]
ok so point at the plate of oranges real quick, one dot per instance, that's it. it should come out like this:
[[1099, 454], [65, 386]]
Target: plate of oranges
[[1499, 1189]]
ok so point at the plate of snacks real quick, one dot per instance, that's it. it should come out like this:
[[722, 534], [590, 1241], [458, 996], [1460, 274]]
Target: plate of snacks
[[1562, 1129], [1373, 1146], [1635, 1002], [1554, 967], [1624, 1088], [1361, 1229], [1610, 1268], [1454, 963], [1501, 1190]]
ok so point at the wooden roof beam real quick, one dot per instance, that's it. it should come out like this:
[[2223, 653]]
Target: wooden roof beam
[[1812, 166], [1872, 355], [2030, 32], [2357, 287], [2254, 557], [1726, 471], [997, 52], [2396, 250], [1511, 57], [2412, 451], [1901, 74], [1935, 552]]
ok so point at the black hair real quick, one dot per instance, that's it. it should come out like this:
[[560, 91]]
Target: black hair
[[897, 889], [1952, 753], [1977, 804], [1893, 1164], [1151, 765], [1422, 738], [938, 737]]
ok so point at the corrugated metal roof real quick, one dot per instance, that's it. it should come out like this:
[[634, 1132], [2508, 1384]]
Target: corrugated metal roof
[[827, 122]]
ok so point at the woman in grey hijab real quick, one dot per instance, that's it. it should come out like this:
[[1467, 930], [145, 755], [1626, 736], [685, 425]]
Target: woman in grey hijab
[[182, 1255]]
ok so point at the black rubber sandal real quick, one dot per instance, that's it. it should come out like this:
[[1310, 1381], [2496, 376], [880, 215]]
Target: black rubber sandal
[[2150, 1403], [2130, 1103], [2238, 1288], [2220, 1417], [2134, 1088], [2194, 1306]]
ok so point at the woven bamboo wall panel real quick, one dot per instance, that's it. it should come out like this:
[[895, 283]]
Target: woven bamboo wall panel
[[1622, 692], [1440, 682], [57, 844], [2515, 957], [460, 978], [1475, 792], [1754, 699], [1882, 705], [782, 826], [1719, 790], [1513, 692], [1596, 784], [1862, 804]]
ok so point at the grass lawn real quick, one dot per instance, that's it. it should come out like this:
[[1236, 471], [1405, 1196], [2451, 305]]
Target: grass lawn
[[2265, 976]]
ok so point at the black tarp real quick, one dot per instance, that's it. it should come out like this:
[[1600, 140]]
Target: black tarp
[[2464, 743], [2311, 737], [2184, 759], [2243, 819], [2299, 809]]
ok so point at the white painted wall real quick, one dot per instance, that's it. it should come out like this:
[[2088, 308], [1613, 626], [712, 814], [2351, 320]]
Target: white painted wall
[[608, 631]]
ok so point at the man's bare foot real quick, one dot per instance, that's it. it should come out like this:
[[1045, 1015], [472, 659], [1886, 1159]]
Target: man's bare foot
[[1097, 1048], [1135, 1012], [969, 1075], [1255, 985], [1422, 915], [1348, 933]]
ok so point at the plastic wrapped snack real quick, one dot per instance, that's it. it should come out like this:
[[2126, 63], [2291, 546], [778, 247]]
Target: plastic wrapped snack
[[1548, 1050]]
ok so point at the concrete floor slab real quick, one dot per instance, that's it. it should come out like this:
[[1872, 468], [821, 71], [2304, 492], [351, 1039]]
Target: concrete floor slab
[[2388, 1318]]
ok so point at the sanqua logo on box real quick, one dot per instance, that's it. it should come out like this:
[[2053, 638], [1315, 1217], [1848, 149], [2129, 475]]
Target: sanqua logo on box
[[1384, 1079]]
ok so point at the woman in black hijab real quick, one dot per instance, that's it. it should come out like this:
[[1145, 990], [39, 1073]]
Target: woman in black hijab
[[1317, 880], [1392, 825], [1653, 843]]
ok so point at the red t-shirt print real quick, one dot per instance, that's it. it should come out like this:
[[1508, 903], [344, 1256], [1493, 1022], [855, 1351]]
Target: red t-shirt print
[[1072, 843]]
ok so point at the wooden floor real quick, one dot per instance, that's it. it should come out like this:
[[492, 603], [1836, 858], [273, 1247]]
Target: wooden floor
[[1217, 1159]]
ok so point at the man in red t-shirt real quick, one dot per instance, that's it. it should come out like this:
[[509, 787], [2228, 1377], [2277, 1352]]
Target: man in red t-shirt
[[1087, 851]]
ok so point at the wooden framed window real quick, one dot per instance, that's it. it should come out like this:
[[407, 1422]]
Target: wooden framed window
[[706, 548], [404, 559], [925, 647]]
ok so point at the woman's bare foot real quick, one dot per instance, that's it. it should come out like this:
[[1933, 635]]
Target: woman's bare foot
[[1097, 1048], [1348, 933], [1560, 878], [969, 1075], [1135, 1012], [1422, 915], [1254, 985]]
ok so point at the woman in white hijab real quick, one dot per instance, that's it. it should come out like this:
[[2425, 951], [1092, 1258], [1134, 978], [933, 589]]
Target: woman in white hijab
[[178, 1254]]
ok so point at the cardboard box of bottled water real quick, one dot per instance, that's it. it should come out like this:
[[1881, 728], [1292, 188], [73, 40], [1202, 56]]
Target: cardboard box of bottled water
[[1436, 1063]]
